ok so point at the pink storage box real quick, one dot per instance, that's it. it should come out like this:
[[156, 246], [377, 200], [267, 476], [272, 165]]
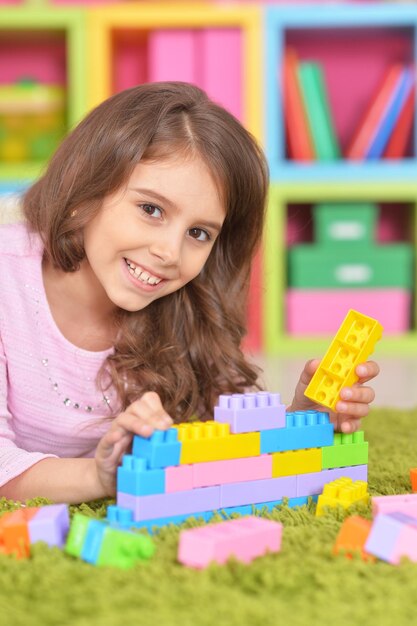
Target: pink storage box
[[318, 312]]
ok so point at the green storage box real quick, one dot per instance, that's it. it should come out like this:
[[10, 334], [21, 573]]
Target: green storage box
[[311, 266], [338, 223]]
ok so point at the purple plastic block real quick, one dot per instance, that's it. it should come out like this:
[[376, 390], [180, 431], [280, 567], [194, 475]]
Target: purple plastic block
[[251, 412], [50, 524], [406, 503], [169, 504], [393, 536], [255, 491], [312, 484]]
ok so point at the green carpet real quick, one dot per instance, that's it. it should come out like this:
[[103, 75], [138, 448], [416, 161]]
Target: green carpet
[[303, 584]]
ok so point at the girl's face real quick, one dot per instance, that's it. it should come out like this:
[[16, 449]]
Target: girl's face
[[154, 236]]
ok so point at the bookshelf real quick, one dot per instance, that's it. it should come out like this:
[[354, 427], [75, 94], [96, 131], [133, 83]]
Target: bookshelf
[[354, 44]]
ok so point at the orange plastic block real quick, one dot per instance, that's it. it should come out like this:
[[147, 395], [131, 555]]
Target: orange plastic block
[[14, 532], [354, 342], [352, 537], [212, 441], [413, 477]]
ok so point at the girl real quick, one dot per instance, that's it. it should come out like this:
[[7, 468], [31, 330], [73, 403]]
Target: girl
[[122, 298]]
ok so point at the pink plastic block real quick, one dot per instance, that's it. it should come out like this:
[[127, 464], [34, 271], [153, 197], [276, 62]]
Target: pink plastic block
[[232, 471], [50, 524], [179, 478], [249, 412], [255, 491], [244, 539], [172, 55], [406, 504], [170, 504], [316, 312], [312, 484], [220, 66], [393, 536]]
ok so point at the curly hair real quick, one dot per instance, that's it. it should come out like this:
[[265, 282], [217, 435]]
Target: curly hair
[[187, 345]]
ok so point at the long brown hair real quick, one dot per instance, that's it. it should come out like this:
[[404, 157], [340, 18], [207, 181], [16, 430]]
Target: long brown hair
[[185, 346]]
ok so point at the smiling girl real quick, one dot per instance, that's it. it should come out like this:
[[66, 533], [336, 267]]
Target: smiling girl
[[123, 294]]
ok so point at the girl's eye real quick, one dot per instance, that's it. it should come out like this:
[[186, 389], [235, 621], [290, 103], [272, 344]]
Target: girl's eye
[[200, 234], [151, 210]]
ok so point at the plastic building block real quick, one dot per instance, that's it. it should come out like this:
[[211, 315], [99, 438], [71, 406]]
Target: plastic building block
[[211, 441], [160, 450], [413, 478], [14, 532], [392, 537], [296, 462], [123, 549], [50, 524], [77, 534], [119, 517], [313, 484], [249, 412], [255, 491], [178, 478], [304, 429], [98, 543], [347, 449], [232, 471], [352, 537], [342, 492], [406, 503], [134, 477], [169, 504], [244, 539], [354, 342]]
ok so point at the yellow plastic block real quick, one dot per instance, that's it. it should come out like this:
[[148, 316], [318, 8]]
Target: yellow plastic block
[[354, 342], [342, 492], [212, 441], [294, 462]]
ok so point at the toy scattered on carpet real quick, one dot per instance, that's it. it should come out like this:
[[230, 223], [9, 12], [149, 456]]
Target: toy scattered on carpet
[[342, 492], [243, 539]]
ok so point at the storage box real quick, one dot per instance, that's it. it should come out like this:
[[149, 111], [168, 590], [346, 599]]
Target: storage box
[[312, 266], [339, 223]]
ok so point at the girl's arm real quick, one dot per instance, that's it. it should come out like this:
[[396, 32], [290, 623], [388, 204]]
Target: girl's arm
[[59, 480], [82, 480]]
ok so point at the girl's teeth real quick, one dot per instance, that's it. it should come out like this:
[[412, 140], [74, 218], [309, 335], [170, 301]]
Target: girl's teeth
[[143, 276]]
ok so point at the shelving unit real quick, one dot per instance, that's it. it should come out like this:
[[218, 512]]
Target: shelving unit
[[354, 45], [50, 46]]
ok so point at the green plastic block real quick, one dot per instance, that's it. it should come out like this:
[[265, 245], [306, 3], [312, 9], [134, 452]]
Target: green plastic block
[[338, 223], [347, 449], [313, 266], [123, 549], [77, 534]]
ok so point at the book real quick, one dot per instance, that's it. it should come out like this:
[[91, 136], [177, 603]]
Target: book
[[397, 143], [317, 107], [383, 132], [300, 143], [373, 114]]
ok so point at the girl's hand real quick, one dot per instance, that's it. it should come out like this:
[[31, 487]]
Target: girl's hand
[[142, 417], [354, 401]]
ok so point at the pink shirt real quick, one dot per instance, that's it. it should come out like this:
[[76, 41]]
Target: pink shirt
[[49, 400]]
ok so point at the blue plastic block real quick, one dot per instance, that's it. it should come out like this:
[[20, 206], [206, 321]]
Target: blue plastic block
[[119, 517], [93, 541], [135, 478], [174, 519], [304, 429], [162, 449]]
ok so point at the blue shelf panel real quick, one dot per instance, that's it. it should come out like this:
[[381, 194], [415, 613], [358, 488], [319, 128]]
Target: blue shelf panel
[[365, 171]]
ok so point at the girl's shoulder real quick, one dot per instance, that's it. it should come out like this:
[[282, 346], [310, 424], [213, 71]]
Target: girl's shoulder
[[16, 240]]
